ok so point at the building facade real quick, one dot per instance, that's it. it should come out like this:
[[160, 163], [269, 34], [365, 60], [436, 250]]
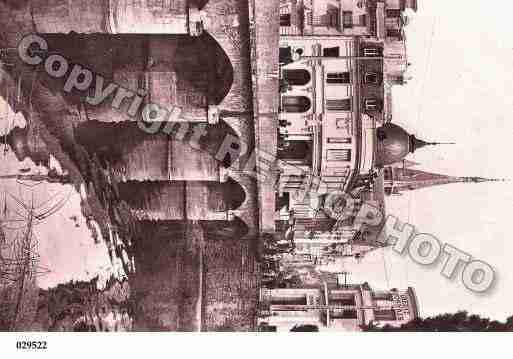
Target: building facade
[[193, 60], [331, 102], [338, 62], [335, 307], [380, 19]]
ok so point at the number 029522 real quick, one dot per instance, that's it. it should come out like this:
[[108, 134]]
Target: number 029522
[[31, 345]]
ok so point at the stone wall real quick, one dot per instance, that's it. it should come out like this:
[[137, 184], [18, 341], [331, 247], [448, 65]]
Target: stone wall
[[231, 286]]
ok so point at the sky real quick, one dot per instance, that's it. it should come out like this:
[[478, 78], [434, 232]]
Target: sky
[[461, 90]]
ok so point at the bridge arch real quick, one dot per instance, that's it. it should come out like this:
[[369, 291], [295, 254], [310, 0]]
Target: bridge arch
[[214, 66], [235, 194], [227, 22]]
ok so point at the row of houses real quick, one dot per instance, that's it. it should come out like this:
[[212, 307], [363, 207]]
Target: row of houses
[[344, 307]]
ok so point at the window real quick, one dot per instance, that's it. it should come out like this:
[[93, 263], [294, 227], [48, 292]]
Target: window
[[347, 19], [372, 52], [383, 296], [338, 78], [362, 20], [299, 300], [328, 19], [339, 155], [331, 52], [339, 105], [345, 140], [394, 33], [372, 105], [285, 20], [296, 104], [385, 315], [393, 13], [285, 55], [342, 299], [388, 174], [350, 314], [344, 314], [371, 78], [297, 77], [155, 4], [333, 15]]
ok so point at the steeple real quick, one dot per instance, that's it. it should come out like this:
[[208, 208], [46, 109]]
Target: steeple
[[398, 180], [481, 179]]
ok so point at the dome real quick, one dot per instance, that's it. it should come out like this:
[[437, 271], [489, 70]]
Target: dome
[[394, 144]]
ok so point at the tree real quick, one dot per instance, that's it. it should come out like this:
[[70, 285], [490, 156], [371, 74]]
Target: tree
[[305, 328], [458, 322]]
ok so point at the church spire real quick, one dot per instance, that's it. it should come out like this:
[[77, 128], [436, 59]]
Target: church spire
[[482, 180], [400, 179]]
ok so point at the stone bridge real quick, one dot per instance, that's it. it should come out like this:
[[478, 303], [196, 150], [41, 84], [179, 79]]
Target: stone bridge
[[197, 59], [189, 54]]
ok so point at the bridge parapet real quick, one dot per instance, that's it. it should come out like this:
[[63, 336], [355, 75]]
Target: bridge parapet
[[115, 17]]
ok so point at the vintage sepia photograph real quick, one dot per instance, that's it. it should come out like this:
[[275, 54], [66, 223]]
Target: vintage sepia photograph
[[255, 166]]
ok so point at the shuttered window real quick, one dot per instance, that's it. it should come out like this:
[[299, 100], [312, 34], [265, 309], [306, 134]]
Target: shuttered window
[[344, 140], [371, 78], [339, 105], [347, 19], [372, 52], [372, 104], [338, 78], [339, 155]]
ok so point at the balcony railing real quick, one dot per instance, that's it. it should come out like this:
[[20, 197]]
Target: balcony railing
[[290, 31]]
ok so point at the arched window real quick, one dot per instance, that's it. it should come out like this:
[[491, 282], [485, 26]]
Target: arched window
[[296, 104], [297, 77]]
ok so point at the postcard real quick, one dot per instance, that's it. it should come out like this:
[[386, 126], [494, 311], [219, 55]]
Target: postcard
[[255, 166]]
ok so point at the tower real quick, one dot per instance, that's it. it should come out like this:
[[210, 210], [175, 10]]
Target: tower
[[398, 180]]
